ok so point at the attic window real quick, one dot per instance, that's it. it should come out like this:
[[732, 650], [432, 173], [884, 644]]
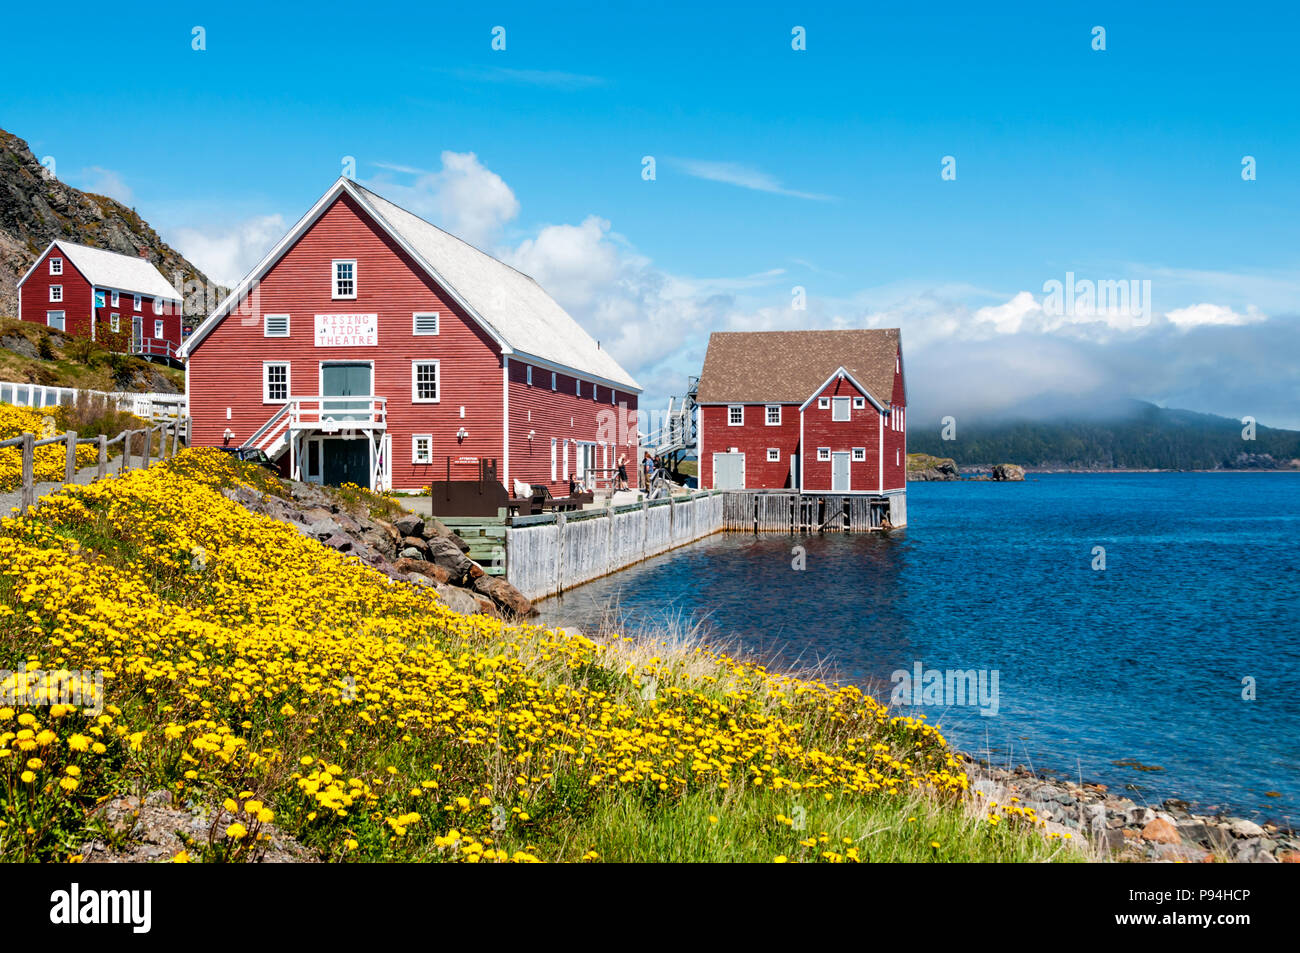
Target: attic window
[[823, 403], [275, 325], [137, 302], [114, 296], [840, 409], [424, 322], [859, 403], [345, 278], [56, 266]]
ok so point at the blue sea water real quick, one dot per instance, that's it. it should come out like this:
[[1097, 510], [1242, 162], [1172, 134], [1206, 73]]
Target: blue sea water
[[1145, 661]]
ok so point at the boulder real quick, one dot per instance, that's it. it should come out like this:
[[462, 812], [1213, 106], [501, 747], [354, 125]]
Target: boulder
[[416, 542], [410, 552], [434, 571], [463, 601], [380, 542], [924, 467], [448, 555], [408, 524], [343, 544], [1160, 831], [1008, 472], [435, 527], [1241, 827], [506, 596]]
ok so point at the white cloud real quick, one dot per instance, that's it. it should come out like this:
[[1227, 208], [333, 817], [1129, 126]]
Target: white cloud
[[103, 181], [463, 197], [1205, 313], [746, 177], [227, 255]]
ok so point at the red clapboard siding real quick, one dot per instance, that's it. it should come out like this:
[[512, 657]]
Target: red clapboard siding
[[225, 370], [896, 436], [753, 439], [35, 295], [168, 312], [562, 414], [862, 429]]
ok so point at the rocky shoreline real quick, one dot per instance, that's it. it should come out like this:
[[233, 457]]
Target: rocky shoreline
[[1118, 828]]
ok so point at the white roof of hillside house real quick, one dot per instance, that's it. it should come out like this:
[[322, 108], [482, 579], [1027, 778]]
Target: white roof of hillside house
[[114, 271], [524, 320]]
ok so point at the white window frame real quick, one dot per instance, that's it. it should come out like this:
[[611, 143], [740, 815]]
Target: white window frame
[[266, 325], [415, 323], [735, 407], [415, 381], [158, 328], [578, 385], [823, 403], [859, 403], [115, 299], [613, 396], [56, 294], [773, 454], [138, 302], [555, 458], [898, 457], [416, 456], [266, 382], [528, 374], [115, 322], [859, 454], [63, 320], [334, 279], [56, 266], [836, 404], [554, 380], [823, 454], [767, 415], [595, 393]]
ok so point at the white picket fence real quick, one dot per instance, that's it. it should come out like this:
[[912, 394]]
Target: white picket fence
[[149, 406]]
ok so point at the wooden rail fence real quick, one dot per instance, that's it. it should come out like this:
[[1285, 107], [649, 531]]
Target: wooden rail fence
[[129, 439]]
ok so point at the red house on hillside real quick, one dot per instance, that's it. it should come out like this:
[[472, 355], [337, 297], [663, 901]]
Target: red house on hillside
[[814, 411], [371, 347], [122, 301]]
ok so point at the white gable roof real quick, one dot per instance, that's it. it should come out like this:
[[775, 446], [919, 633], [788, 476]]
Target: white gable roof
[[524, 320], [109, 269]]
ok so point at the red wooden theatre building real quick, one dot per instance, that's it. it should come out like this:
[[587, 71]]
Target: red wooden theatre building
[[372, 347], [122, 301], [809, 411]]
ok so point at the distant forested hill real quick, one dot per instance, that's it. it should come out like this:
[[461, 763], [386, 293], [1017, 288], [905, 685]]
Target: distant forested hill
[[1139, 436]]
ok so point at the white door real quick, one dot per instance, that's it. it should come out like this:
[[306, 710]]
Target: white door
[[839, 473], [728, 471]]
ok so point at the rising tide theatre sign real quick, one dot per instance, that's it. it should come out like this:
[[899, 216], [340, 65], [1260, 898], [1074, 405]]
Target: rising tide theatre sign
[[347, 330]]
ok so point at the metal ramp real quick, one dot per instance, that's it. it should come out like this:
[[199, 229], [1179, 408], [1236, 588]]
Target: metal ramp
[[675, 437]]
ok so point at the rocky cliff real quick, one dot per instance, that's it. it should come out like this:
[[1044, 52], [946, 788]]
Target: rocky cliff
[[36, 209], [922, 467]]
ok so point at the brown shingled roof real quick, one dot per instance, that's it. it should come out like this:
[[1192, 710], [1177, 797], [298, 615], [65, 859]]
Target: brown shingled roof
[[786, 367]]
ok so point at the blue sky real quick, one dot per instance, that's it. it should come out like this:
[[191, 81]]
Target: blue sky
[[775, 168]]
